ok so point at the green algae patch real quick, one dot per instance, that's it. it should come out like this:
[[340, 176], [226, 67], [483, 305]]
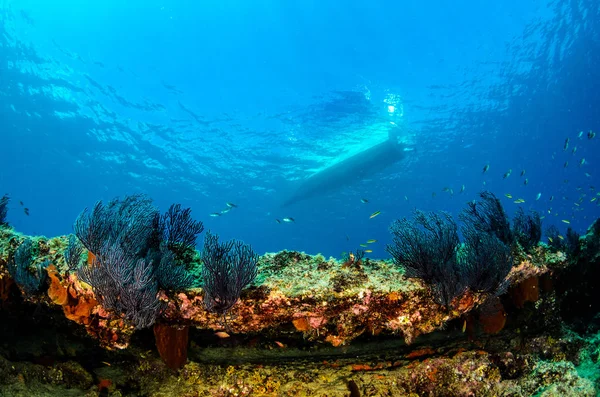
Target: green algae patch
[[297, 274]]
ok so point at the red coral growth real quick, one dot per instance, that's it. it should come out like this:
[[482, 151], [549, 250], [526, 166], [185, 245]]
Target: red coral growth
[[172, 344], [5, 284], [57, 292], [493, 317], [426, 351], [105, 384], [77, 307], [526, 291], [546, 284]]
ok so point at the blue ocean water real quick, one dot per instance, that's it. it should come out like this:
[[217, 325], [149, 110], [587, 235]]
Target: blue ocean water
[[206, 103]]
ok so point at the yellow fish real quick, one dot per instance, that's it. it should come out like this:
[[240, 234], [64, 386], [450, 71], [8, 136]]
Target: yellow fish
[[508, 195], [561, 237], [368, 251], [550, 239], [566, 221], [519, 201], [371, 241], [363, 245], [374, 214]]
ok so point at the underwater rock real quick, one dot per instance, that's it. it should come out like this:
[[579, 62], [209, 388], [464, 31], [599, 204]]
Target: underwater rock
[[284, 336]]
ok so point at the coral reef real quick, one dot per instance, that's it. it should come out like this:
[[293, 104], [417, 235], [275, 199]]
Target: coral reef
[[308, 325]]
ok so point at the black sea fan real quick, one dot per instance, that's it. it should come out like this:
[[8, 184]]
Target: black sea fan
[[527, 229], [29, 275], [132, 245], [426, 247], [485, 261], [488, 216], [227, 269], [4, 209], [179, 229]]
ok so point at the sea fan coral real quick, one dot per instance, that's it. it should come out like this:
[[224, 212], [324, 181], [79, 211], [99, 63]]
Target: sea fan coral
[[3, 209], [426, 248], [227, 269], [527, 229], [29, 275]]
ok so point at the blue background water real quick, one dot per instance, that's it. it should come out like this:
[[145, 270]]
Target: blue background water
[[205, 103]]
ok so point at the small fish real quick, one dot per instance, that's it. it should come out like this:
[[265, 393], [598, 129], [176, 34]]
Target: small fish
[[26, 211], [587, 174], [580, 134], [508, 195], [231, 205], [566, 164], [551, 198], [364, 200], [593, 199], [464, 327], [582, 162], [486, 168], [20, 202], [566, 221], [374, 214], [371, 241], [566, 145], [538, 196], [405, 198], [433, 195], [278, 221], [368, 251], [215, 214], [591, 134], [462, 188], [226, 210], [523, 173], [222, 334], [507, 174], [560, 237], [364, 245], [550, 239], [106, 363], [526, 181], [574, 150], [288, 220], [576, 204], [519, 201]]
